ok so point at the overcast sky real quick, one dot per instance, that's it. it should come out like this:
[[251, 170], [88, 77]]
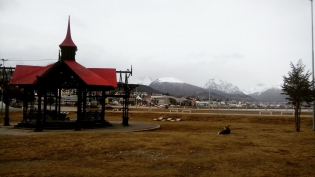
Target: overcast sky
[[244, 42]]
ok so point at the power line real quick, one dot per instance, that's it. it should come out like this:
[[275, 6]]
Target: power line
[[33, 60]]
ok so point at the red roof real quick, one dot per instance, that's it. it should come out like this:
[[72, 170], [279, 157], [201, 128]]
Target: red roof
[[24, 74], [27, 75], [91, 78], [108, 74], [68, 40]]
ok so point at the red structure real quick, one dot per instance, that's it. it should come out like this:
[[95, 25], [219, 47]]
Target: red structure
[[48, 82]]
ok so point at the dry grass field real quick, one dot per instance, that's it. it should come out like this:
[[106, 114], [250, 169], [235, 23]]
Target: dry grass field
[[257, 146]]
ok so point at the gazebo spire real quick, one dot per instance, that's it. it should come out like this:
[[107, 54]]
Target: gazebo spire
[[68, 48]]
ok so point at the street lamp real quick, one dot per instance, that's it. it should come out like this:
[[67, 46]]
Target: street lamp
[[209, 91], [313, 64]]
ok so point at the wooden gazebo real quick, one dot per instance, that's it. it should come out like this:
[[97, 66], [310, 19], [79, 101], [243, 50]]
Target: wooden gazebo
[[48, 82]]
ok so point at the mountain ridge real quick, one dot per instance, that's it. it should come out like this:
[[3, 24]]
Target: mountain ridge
[[218, 88], [189, 90]]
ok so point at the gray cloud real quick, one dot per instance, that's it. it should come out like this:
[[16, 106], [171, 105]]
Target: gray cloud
[[244, 42]]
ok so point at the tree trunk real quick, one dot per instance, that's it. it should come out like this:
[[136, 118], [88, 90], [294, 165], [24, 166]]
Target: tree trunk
[[297, 112], [299, 119], [295, 118]]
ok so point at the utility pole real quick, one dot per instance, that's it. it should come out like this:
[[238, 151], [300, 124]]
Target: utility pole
[[7, 101], [2, 87], [313, 64]]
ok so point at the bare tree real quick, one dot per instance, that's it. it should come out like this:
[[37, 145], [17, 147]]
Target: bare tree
[[299, 89]]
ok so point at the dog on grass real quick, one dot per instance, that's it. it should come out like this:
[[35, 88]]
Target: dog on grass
[[225, 131]]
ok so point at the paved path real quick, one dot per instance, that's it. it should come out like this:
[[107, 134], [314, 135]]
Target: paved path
[[117, 127]]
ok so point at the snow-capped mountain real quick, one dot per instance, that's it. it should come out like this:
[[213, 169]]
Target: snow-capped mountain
[[260, 88], [267, 93], [270, 95], [140, 80], [219, 89], [179, 88], [220, 85], [175, 86], [168, 79]]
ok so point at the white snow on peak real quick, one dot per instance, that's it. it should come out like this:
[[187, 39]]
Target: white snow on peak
[[169, 79], [218, 84], [260, 87]]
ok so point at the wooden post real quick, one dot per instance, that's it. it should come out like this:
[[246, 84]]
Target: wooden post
[[39, 126], [84, 102], [125, 107], [59, 100], [103, 108], [5, 95], [6, 113], [25, 104], [45, 106], [79, 110], [56, 105]]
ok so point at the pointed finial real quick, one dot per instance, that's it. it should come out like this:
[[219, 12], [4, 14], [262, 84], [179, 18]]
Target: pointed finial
[[68, 40]]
